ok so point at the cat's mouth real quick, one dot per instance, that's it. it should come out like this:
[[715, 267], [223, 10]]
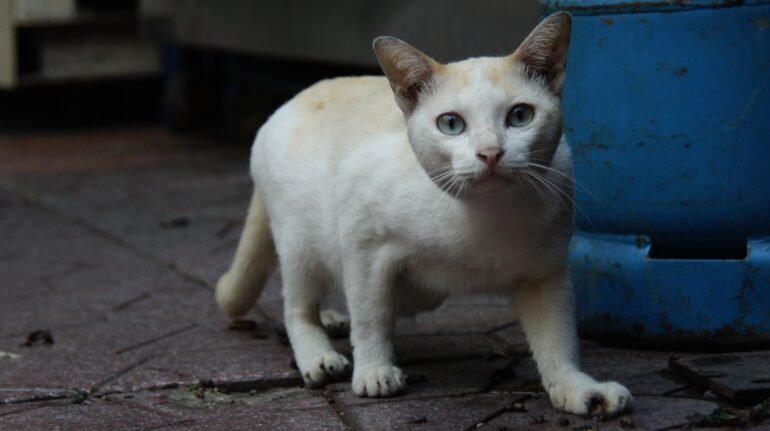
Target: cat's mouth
[[479, 183], [492, 180], [491, 177]]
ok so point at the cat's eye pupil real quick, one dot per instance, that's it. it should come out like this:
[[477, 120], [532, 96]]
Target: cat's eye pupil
[[520, 115], [450, 124]]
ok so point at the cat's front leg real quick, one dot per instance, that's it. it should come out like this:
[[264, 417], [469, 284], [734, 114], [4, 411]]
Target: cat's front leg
[[547, 314], [369, 291]]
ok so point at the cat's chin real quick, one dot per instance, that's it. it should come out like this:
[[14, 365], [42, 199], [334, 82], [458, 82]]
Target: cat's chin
[[491, 184]]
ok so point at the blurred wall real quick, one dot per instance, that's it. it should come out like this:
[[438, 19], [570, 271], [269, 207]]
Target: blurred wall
[[341, 31]]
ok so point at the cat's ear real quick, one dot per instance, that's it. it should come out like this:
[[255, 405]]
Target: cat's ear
[[409, 71], [544, 51]]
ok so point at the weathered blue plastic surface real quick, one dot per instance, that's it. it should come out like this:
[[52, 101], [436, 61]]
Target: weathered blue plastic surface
[[668, 115], [627, 297], [667, 110], [595, 7]]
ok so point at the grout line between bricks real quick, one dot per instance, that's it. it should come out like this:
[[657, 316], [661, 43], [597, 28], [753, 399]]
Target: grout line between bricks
[[125, 370], [146, 408], [675, 390], [156, 339], [328, 394], [673, 427], [43, 204], [123, 305], [172, 424], [499, 328], [497, 413], [39, 399], [501, 374], [25, 410], [440, 359]]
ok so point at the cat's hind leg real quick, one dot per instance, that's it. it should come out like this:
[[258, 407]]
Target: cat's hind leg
[[303, 289], [547, 314], [337, 325]]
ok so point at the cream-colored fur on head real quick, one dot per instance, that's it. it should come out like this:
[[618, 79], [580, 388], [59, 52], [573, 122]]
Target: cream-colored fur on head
[[463, 183]]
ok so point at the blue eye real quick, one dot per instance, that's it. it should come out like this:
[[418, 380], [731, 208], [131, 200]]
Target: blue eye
[[520, 115], [450, 124]]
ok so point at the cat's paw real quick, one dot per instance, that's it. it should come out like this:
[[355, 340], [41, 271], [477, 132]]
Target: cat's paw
[[583, 395], [336, 324], [378, 381], [324, 368]]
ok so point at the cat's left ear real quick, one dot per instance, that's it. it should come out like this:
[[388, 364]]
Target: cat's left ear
[[409, 71], [544, 51]]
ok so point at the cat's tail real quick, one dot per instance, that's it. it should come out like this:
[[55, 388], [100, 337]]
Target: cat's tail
[[239, 288]]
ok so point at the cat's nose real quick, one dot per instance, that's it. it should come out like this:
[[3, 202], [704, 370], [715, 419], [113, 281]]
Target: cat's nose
[[490, 156]]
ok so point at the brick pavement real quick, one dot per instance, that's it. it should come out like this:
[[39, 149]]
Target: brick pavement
[[114, 249]]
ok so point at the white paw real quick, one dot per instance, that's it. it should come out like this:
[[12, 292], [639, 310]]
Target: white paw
[[582, 395], [324, 368], [382, 381], [335, 323]]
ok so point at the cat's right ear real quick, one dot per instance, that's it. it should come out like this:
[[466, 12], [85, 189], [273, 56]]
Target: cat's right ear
[[544, 51], [409, 71]]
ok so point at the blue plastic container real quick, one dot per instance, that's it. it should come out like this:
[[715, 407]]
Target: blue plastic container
[[667, 110]]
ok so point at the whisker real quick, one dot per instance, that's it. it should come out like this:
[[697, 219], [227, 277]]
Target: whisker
[[442, 175], [534, 187], [548, 187], [568, 197], [444, 180], [543, 150], [458, 186], [571, 179]]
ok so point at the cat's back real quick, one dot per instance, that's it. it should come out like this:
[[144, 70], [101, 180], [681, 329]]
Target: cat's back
[[332, 115], [346, 97]]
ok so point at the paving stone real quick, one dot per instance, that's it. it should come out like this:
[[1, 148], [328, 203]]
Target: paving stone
[[743, 377], [458, 319], [438, 380], [510, 340], [59, 278], [64, 415], [639, 371], [119, 322], [253, 363], [415, 349], [283, 409], [48, 372], [187, 215], [275, 409], [59, 274], [422, 349], [642, 372], [447, 413], [526, 378], [650, 413], [260, 364], [155, 344], [459, 377]]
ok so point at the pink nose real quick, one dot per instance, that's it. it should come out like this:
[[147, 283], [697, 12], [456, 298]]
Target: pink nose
[[490, 156]]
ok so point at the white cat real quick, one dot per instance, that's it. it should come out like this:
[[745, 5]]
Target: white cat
[[463, 184]]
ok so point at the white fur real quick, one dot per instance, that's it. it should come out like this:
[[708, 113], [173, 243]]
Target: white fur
[[346, 186]]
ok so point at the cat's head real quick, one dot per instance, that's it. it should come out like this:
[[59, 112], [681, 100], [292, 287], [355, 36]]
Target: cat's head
[[477, 126]]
